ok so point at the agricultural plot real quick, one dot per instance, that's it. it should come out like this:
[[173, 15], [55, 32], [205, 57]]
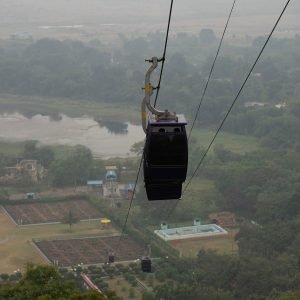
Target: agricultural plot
[[39, 213], [93, 250]]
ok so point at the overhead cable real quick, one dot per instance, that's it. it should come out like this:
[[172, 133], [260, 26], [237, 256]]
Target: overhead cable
[[204, 92], [164, 53], [211, 69], [157, 91], [236, 97]]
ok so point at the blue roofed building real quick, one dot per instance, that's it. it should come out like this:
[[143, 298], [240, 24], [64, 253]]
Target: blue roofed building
[[95, 185], [111, 175]]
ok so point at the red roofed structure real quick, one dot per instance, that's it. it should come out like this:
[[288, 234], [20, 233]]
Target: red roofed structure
[[224, 219]]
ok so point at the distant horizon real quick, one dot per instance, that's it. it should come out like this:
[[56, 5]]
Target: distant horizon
[[138, 17]]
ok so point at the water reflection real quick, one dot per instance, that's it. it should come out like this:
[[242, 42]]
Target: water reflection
[[72, 131]]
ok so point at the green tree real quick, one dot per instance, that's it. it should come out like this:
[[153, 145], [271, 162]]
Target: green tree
[[70, 219], [44, 283], [30, 148], [291, 295], [72, 169], [45, 156]]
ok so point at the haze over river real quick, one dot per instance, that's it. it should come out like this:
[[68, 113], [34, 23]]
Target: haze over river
[[70, 131]]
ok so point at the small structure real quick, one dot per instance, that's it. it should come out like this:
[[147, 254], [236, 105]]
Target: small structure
[[126, 190], [191, 232], [105, 222], [224, 219], [24, 169], [163, 226], [111, 168], [30, 195], [129, 188], [95, 185], [111, 257], [111, 176], [197, 222], [254, 104], [281, 105], [88, 283]]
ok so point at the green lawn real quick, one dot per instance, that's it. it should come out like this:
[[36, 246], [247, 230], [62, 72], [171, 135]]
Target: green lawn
[[11, 148], [233, 142], [222, 244]]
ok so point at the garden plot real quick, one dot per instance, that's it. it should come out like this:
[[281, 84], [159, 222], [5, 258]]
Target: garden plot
[[90, 250], [51, 212]]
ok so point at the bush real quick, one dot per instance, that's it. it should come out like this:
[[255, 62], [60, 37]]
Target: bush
[[99, 271], [131, 293], [95, 277], [13, 277], [69, 276], [160, 276], [103, 285], [134, 283], [98, 281], [63, 271], [92, 267], [4, 276], [142, 276]]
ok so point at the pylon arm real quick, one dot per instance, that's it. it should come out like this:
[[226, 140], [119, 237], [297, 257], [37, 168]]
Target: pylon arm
[[166, 115]]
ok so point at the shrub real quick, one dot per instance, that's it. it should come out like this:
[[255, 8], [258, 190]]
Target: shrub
[[63, 271], [4, 276], [92, 267]]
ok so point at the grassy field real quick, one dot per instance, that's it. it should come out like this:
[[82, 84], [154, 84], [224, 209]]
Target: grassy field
[[233, 142], [11, 148], [15, 242], [222, 244], [198, 201]]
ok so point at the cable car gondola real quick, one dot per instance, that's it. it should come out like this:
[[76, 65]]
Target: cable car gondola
[[146, 264], [165, 158], [166, 148]]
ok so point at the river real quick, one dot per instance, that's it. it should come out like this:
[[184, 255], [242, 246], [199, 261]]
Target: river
[[102, 141]]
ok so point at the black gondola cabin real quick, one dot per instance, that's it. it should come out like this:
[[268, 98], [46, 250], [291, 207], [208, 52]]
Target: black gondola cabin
[[146, 264], [165, 158]]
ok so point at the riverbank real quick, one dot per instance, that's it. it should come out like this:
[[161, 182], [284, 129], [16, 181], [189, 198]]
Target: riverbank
[[104, 140], [33, 105]]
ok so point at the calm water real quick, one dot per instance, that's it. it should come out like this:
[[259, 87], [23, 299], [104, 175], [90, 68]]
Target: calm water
[[71, 131]]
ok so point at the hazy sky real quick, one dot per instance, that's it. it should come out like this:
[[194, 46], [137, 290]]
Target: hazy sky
[[188, 15]]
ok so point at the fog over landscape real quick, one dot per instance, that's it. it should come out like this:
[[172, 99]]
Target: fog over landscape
[[80, 166], [105, 18]]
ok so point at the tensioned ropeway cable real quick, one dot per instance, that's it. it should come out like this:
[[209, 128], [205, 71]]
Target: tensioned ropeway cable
[[164, 53], [212, 68], [204, 91], [237, 96], [157, 91], [131, 200], [172, 210]]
